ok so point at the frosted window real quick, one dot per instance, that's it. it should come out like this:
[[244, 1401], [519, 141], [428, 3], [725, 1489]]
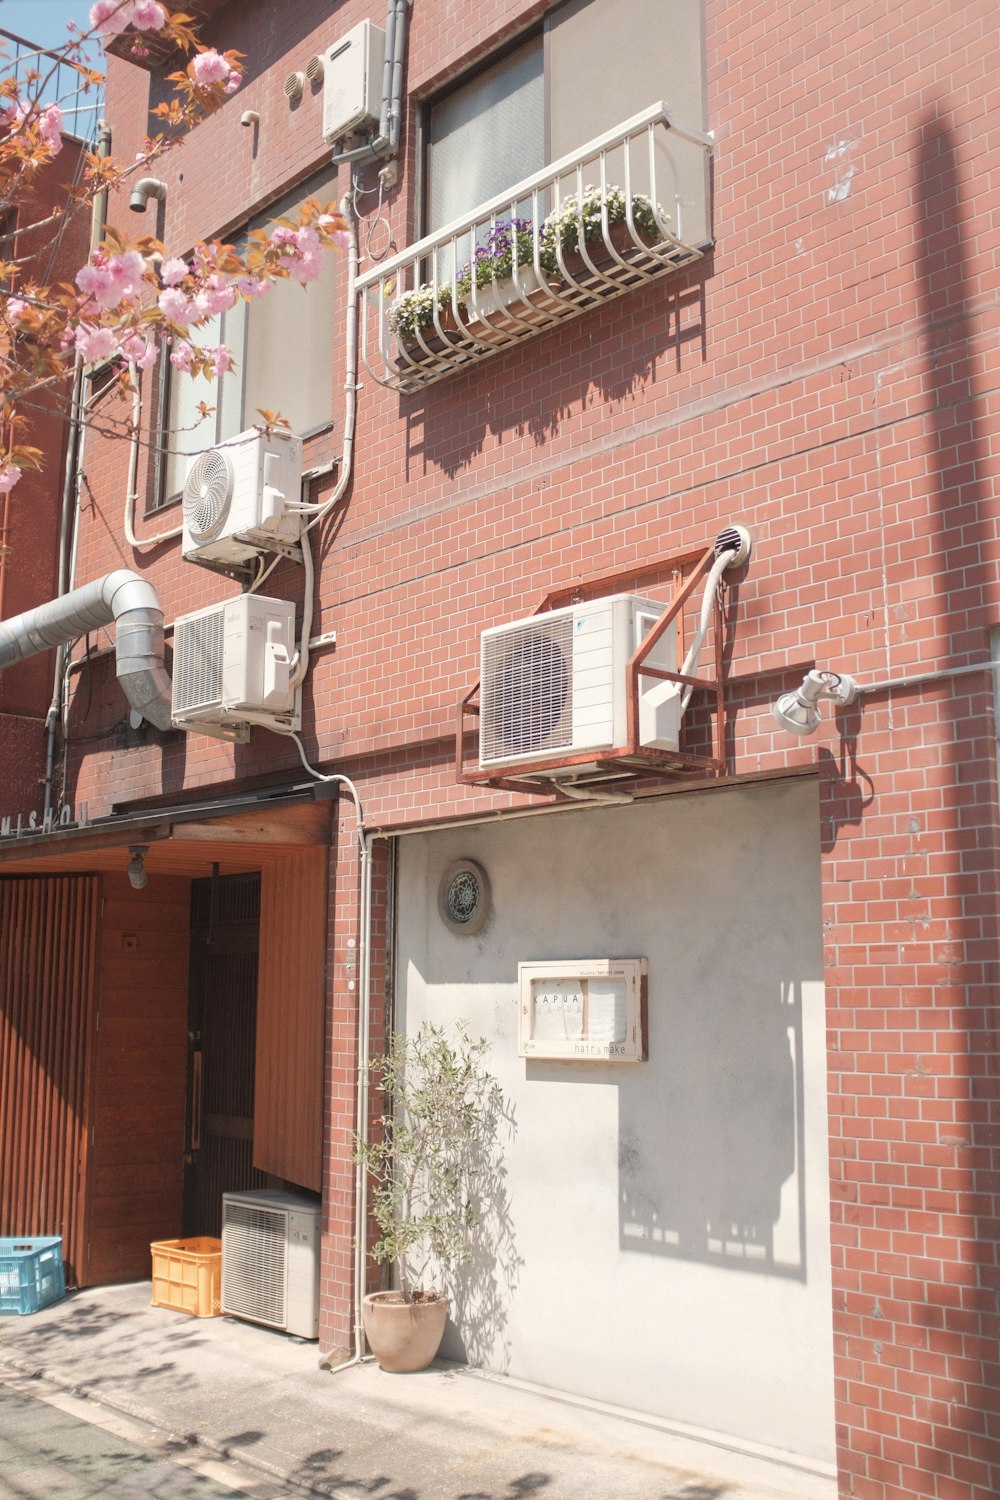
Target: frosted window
[[487, 135]]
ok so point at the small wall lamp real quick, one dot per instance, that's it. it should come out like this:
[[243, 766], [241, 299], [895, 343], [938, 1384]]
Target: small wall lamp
[[798, 712], [136, 869]]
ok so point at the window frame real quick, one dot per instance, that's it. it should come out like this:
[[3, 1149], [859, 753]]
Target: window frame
[[538, 31], [315, 184]]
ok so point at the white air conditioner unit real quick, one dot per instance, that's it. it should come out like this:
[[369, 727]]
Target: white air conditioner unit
[[236, 498], [352, 81], [270, 1260], [233, 665], [554, 686]]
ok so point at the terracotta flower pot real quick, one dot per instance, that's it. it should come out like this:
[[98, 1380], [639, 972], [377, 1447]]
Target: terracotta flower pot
[[404, 1336]]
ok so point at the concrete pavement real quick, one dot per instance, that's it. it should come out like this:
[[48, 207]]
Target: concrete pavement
[[221, 1387]]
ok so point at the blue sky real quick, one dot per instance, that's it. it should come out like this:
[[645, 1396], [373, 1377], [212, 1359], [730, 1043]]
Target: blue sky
[[42, 21]]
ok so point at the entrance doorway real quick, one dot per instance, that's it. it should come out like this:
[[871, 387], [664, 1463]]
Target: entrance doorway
[[222, 1041]]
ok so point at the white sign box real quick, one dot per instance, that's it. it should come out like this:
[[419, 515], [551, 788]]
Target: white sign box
[[583, 1009]]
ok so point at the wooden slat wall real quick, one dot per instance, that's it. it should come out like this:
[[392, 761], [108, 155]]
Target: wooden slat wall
[[48, 940], [137, 1156], [288, 1109]]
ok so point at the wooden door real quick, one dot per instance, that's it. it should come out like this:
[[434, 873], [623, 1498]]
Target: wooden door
[[225, 921]]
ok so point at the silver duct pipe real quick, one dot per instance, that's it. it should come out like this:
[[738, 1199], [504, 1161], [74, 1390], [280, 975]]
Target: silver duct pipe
[[122, 597]]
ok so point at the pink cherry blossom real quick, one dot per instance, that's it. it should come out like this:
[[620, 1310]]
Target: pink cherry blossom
[[233, 81], [175, 306], [221, 360], [112, 279], [208, 68], [148, 16], [215, 296], [253, 286], [9, 475], [111, 17], [50, 127], [172, 271], [15, 309], [142, 352], [93, 344], [182, 357]]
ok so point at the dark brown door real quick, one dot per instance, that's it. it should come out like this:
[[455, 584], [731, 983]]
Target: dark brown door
[[225, 922]]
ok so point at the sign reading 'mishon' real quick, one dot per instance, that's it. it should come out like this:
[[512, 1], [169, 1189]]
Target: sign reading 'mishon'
[[583, 1009]]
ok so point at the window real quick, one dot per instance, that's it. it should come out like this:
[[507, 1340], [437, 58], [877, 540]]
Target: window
[[594, 65], [284, 351]]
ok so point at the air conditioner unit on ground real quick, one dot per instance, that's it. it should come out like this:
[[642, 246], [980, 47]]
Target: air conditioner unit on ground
[[236, 496], [233, 664], [270, 1260], [352, 81], [554, 685]]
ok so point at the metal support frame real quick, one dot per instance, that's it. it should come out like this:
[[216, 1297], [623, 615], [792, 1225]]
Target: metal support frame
[[631, 762]]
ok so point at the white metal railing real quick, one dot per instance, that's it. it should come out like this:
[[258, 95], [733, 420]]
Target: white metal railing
[[591, 226]]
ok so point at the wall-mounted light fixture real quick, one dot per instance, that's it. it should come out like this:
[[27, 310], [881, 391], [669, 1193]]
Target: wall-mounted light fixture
[[136, 870], [798, 712]]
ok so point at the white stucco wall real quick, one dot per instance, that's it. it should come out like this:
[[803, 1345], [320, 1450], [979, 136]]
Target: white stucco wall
[[659, 1234]]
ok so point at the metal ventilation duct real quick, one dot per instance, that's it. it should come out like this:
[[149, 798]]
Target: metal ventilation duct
[[122, 597]]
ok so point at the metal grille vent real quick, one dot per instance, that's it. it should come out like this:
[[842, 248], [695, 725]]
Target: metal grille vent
[[208, 491], [526, 696], [254, 1247], [197, 670]]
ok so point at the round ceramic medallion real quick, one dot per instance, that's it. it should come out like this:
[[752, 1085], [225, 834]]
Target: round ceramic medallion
[[464, 897]]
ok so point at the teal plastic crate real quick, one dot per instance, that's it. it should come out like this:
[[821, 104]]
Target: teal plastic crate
[[31, 1273]]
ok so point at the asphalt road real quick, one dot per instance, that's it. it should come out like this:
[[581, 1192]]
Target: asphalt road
[[55, 1446]]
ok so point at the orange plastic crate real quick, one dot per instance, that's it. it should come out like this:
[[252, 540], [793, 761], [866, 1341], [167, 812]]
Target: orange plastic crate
[[187, 1276]]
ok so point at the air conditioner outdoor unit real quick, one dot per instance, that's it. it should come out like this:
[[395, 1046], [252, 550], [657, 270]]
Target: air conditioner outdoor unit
[[236, 496], [352, 81], [233, 665], [554, 685], [270, 1260]]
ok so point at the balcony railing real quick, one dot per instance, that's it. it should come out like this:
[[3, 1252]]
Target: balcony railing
[[628, 207], [44, 78]]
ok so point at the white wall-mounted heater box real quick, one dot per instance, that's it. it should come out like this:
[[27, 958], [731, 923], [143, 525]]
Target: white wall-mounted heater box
[[352, 81], [554, 685], [270, 1260]]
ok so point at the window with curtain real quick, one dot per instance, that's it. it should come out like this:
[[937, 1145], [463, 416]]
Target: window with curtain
[[591, 66]]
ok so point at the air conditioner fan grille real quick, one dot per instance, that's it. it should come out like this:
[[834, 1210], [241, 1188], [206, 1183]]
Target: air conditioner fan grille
[[526, 694], [254, 1248], [208, 492], [197, 667]]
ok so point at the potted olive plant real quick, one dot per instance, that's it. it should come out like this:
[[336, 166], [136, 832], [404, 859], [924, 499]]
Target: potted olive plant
[[429, 1160]]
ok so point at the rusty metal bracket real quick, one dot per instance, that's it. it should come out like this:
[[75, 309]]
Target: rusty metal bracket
[[630, 762]]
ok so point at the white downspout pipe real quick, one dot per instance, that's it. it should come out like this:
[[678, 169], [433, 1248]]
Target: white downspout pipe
[[122, 597], [365, 841]]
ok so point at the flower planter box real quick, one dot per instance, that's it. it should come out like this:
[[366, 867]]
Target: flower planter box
[[450, 334], [603, 253], [508, 309]]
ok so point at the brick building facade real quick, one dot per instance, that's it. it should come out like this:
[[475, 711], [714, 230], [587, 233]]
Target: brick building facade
[[824, 372]]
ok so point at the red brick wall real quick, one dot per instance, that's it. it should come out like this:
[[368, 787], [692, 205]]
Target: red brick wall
[[827, 375]]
